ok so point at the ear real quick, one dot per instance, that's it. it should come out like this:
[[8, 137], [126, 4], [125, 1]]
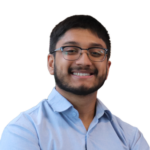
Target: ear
[[50, 63], [108, 67]]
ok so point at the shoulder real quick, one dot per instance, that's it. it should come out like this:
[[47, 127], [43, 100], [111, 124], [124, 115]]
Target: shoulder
[[127, 133], [22, 132], [28, 120]]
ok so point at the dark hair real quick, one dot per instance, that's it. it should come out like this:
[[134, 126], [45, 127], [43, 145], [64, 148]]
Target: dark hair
[[79, 21]]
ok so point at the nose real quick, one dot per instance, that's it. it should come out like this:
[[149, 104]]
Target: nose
[[84, 59]]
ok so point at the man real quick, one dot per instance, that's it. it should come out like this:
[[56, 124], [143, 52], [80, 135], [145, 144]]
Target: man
[[72, 118]]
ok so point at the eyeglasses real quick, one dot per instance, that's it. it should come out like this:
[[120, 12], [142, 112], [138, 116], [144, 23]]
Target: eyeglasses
[[73, 53]]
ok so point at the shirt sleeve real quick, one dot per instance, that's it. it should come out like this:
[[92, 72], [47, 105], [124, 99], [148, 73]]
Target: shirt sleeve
[[139, 142], [19, 136]]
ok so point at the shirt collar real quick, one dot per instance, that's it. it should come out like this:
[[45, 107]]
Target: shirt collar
[[60, 104]]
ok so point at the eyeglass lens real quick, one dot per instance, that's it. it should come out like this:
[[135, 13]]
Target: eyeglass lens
[[73, 53]]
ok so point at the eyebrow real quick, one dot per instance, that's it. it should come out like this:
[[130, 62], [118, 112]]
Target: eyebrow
[[76, 43]]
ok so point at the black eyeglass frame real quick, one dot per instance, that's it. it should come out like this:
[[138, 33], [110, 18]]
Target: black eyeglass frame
[[61, 48]]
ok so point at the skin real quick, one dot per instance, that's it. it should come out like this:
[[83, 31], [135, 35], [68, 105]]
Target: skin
[[84, 39]]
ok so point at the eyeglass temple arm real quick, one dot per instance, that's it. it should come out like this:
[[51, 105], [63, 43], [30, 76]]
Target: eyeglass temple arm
[[57, 50]]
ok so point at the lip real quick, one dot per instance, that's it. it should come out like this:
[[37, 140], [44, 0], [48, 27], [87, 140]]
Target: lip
[[82, 71], [82, 76]]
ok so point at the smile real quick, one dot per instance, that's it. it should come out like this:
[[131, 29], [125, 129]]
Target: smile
[[82, 75]]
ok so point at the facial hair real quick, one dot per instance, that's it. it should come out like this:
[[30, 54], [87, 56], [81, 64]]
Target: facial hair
[[81, 90]]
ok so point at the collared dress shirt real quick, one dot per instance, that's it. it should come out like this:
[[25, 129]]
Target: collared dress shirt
[[54, 124]]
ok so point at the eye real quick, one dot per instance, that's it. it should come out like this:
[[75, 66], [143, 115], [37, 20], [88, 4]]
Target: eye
[[70, 48], [96, 52]]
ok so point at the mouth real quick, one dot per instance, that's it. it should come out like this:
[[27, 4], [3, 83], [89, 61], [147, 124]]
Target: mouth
[[82, 75]]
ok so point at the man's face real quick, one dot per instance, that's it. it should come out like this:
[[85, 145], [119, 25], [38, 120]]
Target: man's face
[[64, 69]]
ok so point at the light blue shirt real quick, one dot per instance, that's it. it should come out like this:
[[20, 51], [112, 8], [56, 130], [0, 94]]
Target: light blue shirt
[[54, 124]]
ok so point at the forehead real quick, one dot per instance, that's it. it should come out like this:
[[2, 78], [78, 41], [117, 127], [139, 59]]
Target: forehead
[[83, 38]]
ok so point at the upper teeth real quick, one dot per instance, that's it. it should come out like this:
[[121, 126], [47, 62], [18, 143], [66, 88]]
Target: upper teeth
[[81, 74]]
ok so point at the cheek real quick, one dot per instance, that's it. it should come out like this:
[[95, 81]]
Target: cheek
[[101, 70], [61, 65], [63, 69]]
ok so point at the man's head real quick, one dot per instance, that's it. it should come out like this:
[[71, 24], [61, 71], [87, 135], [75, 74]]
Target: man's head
[[81, 76], [79, 21]]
